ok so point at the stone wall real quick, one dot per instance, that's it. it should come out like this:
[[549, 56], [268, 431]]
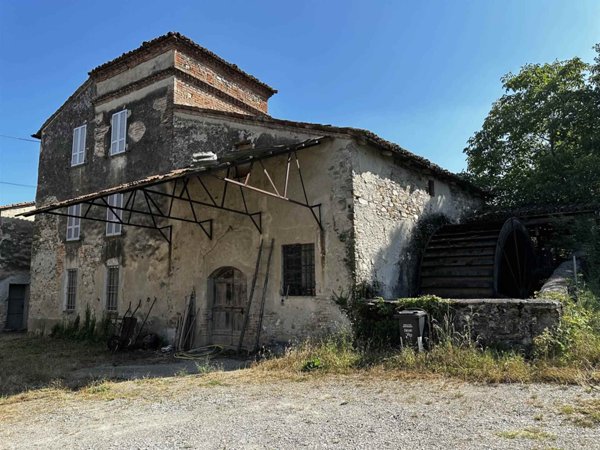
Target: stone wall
[[391, 203], [505, 323]]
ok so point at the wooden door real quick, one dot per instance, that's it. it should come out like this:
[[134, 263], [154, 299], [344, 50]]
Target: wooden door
[[229, 301]]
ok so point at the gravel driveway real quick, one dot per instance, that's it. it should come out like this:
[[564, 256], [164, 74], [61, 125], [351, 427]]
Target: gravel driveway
[[332, 412]]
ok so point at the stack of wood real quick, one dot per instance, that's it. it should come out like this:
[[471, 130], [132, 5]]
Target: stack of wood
[[186, 324]]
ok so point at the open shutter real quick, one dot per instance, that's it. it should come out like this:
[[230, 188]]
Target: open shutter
[[118, 132], [114, 133], [74, 148], [122, 131], [82, 136]]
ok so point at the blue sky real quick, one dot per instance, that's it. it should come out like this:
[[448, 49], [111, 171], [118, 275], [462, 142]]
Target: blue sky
[[420, 73]]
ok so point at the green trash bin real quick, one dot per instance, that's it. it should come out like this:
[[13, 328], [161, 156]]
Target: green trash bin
[[414, 328]]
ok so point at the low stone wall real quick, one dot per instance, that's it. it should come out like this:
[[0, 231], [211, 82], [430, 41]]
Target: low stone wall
[[505, 323], [508, 324]]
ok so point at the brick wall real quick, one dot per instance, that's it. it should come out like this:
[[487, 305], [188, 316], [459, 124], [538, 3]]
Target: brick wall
[[233, 86], [186, 94]]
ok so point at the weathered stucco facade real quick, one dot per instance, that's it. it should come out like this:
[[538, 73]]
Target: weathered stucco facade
[[15, 254], [182, 101], [391, 201]]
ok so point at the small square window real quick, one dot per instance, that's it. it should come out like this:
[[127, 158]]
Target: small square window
[[78, 148], [71, 290], [299, 269], [114, 215], [73, 222], [431, 188], [118, 132], [112, 287]]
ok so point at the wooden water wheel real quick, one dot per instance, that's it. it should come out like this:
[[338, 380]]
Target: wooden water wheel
[[478, 260]]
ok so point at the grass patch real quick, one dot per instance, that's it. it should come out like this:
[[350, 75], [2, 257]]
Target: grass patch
[[34, 362], [527, 433], [586, 413], [334, 354]]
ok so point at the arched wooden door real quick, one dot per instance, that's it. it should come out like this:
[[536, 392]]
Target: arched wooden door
[[227, 286]]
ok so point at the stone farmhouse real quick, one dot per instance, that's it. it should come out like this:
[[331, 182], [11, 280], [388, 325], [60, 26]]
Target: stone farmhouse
[[163, 176]]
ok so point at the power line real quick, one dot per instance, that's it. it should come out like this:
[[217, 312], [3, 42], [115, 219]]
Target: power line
[[19, 138], [18, 184]]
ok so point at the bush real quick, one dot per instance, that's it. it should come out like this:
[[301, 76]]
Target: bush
[[576, 342]]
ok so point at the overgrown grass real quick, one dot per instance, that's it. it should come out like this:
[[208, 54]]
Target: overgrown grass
[[570, 354]]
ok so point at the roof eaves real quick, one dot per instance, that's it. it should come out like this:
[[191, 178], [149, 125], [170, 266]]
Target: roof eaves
[[79, 90], [16, 205], [359, 133], [177, 38]]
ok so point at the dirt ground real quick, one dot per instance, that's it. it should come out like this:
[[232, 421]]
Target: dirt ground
[[57, 395], [244, 409]]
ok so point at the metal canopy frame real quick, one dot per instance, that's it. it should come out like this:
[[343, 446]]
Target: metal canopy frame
[[148, 204]]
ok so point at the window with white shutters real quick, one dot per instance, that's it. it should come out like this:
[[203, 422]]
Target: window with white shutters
[[114, 215], [118, 132], [78, 149], [73, 222]]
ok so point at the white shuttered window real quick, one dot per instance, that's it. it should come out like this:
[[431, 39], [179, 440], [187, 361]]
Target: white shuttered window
[[113, 225], [78, 149], [73, 222], [118, 132]]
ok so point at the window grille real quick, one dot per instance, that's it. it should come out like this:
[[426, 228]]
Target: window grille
[[112, 288], [78, 148], [71, 292], [299, 269], [73, 222], [118, 132], [113, 224]]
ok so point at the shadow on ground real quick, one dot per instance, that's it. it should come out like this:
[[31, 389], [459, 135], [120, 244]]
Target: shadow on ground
[[34, 362]]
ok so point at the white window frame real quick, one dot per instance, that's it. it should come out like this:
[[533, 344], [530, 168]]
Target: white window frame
[[118, 133], [71, 289], [78, 147], [112, 289], [113, 225], [74, 222]]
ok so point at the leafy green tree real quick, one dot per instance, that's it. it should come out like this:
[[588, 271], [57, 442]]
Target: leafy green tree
[[540, 143]]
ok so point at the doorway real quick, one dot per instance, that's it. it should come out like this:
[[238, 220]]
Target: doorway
[[227, 285], [16, 307]]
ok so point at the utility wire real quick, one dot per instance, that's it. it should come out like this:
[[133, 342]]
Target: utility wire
[[18, 184], [19, 138]]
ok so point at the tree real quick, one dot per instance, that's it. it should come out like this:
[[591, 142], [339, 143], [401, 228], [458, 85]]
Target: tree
[[540, 143]]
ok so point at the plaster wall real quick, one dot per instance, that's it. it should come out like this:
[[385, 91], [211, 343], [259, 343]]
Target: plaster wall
[[390, 202], [149, 132], [137, 73], [14, 212], [151, 268]]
